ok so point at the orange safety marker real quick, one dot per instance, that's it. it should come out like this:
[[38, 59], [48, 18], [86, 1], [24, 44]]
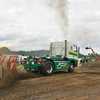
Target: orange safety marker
[[12, 61], [2, 59]]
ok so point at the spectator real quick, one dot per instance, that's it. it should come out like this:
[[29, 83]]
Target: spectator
[[86, 60], [83, 60], [20, 59], [17, 61]]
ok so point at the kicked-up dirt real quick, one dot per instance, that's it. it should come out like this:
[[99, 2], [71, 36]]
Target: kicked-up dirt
[[82, 84]]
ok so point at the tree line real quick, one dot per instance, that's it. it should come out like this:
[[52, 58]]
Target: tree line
[[90, 56], [5, 50]]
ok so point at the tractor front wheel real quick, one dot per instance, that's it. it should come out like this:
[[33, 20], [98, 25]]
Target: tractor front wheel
[[71, 68]]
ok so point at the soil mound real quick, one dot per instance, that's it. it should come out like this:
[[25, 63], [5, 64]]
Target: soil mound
[[92, 64]]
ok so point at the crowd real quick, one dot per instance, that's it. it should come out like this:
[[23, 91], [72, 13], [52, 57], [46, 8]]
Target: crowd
[[84, 60], [19, 60]]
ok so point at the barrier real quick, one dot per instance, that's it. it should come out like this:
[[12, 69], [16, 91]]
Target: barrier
[[12, 61], [0, 71], [2, 59]]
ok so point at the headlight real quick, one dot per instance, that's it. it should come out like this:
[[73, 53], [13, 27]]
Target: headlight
[[27, 62], [32, 63]]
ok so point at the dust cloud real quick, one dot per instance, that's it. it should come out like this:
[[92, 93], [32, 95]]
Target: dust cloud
[[61, 8], [9, 79]]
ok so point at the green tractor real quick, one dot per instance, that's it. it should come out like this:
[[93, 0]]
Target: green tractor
[[63, 56]]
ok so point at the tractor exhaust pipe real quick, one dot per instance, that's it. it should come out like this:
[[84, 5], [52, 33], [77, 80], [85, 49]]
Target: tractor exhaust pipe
[[65, 48]]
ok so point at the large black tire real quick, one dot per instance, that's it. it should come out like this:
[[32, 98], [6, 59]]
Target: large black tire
[[47, 68], [71, 68]]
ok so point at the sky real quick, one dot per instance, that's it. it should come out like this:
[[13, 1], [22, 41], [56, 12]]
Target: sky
[[30, 25]]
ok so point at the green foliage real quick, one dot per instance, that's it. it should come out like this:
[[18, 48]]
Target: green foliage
[[40, 53], [4, 50], [81, 55], [90, 56]]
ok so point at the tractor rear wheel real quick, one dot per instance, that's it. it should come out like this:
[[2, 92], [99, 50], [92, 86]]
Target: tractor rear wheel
[[47, 68]]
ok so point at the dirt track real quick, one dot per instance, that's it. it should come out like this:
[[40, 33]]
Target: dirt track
[[82, 84]]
